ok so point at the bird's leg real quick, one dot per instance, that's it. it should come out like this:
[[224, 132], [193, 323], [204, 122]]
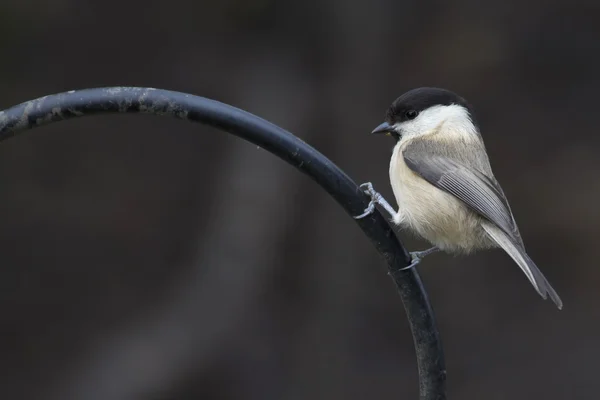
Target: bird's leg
[[376, 198], [417, 256], [421, 254]]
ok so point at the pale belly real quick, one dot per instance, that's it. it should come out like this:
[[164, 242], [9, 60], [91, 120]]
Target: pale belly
[[434, 214]]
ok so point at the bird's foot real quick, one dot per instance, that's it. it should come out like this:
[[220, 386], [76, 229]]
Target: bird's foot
[[417, 257], [376, 198]]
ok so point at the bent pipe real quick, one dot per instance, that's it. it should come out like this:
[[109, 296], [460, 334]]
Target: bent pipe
[[67, 105]]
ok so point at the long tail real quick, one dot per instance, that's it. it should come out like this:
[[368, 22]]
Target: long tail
[[518, 254]]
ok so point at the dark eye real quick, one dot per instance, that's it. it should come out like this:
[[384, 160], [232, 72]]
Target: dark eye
[[411, 114]]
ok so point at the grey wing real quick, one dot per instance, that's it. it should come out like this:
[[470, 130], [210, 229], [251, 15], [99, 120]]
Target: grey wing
[[480, 193], [448, 172]]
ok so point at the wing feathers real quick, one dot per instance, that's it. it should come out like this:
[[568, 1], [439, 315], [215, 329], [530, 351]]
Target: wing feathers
[[476, 190]]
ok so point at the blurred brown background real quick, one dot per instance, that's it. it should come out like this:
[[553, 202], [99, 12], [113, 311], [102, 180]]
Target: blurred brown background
[[153, 259]]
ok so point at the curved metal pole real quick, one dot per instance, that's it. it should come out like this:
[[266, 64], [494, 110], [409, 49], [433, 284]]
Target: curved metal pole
[[62, 106]]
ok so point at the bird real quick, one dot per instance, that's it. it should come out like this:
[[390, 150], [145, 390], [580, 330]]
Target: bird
[[443, 182]]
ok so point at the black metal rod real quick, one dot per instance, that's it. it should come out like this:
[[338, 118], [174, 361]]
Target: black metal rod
[[62, 106]]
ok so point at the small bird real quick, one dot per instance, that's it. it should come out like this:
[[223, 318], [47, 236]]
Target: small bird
[[443, 182]]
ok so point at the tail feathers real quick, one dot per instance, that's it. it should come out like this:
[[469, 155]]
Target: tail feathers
[[518, 254]]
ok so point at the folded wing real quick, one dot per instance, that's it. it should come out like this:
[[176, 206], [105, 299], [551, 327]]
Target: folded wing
[[452, 172]]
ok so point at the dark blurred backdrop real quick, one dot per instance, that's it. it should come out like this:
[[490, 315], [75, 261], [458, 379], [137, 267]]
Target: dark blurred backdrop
[[153, 259]]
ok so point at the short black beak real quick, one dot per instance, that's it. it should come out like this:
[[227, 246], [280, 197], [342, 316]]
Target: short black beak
[[384, 128]]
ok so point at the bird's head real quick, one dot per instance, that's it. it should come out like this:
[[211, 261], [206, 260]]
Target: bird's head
[[423, 110]]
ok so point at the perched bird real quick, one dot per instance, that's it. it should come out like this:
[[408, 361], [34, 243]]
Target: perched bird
[[443, 182]]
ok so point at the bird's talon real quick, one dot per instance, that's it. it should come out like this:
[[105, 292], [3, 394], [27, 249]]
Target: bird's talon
[[415, 260], [369, 185], [367, 188], [369, 210]]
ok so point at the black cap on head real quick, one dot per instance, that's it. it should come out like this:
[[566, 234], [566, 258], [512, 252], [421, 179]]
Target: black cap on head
[[417, 100]]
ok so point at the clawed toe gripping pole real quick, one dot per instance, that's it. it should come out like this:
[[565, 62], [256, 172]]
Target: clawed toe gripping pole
[[376, 198]]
